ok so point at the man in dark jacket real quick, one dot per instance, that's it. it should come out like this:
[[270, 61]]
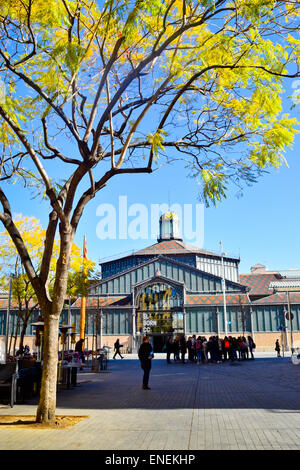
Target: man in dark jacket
[[79, 348], [169, 349], [145, 356]]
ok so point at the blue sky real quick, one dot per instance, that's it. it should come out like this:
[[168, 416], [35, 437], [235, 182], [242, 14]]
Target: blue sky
[[262, 226]]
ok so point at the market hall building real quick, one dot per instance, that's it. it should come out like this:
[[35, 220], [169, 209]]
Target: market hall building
[[172, 288]]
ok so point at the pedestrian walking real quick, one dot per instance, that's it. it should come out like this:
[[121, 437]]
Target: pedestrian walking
[[277, 347], [245, 348], [204, 349], [169, 349], [220, 349], [252, 346], [117, 347], [199, 350], [191, 348], [212, 346], [233, 348], [145, 356], [226, 348], [182, 346], [176, 348], [239, 345], [79, 349]]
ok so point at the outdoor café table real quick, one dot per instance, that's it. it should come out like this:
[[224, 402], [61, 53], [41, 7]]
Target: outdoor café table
[[74, 368], [71, 373]]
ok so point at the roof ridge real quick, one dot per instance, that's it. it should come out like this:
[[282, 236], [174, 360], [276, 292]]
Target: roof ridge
[[280, 296]]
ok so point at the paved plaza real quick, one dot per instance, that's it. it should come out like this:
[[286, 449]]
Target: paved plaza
[[247, 405]]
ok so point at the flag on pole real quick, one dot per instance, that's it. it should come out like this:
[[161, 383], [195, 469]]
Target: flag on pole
[[84, 261], [83, 298]]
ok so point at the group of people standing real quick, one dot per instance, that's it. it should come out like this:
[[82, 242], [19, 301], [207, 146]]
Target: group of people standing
[[199, 350], [216, 350]]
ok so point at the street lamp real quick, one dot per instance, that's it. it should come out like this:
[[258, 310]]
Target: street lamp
[[224, 288], [11, 276], [289, 316], [288, 286]]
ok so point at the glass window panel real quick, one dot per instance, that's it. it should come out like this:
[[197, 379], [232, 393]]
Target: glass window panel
[[193, 322], [122, 319], [260, 319], [122, 284], [188, 321], [207, 322], [127, 283], [295, 321], [254, 318], [117, 322], [109, 323], [205, 284]]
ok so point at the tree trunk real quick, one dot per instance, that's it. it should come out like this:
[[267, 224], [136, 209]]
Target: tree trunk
[[51, 313], [47, 404], [23, 331]]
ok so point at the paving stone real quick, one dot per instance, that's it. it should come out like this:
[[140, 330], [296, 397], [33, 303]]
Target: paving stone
[[253, 406]]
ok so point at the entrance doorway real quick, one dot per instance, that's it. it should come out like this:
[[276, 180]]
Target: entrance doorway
[[159, 311], [158, 341]]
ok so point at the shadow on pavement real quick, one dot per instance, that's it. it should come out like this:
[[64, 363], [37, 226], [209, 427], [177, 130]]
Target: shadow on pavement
[[267, 383]]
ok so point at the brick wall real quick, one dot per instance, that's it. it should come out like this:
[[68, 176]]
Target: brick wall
[[125, 340], [266, 341]]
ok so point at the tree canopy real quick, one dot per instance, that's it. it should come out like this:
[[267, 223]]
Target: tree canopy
[[23, 293], [210, 72], [33, 236]]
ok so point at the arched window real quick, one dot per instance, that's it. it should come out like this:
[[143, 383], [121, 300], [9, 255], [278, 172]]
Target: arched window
[[159, 296], [159, 309]]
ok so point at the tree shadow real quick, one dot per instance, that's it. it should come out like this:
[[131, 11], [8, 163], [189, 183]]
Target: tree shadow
[[265, 383]]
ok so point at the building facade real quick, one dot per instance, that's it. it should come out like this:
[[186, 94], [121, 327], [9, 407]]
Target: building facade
[[172, 288]]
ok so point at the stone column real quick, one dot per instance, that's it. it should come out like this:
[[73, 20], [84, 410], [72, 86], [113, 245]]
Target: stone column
[[184, 321], [251, 319], [218, 321], [134, 329]]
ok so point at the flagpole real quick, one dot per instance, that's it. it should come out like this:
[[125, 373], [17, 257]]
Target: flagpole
[[83, 298]]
